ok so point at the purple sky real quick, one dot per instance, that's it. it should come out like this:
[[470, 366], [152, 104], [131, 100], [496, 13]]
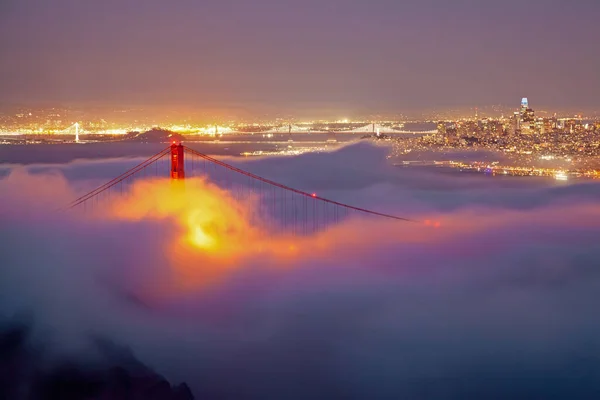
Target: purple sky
[[355, 55]]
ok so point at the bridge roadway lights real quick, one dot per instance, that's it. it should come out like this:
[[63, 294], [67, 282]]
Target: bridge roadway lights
[[177, 165]]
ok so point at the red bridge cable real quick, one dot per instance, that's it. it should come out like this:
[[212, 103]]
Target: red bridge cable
[[279, 185], [120, 178]]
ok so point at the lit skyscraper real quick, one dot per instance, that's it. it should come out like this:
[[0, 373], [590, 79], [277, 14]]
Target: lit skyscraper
[[527, 117]]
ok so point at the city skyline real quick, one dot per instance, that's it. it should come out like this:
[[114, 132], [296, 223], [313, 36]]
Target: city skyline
[[157, 116]]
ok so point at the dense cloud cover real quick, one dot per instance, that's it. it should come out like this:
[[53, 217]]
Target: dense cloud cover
[[499, 302]]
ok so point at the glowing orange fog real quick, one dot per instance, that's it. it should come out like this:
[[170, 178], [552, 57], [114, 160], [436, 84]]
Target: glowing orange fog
[[214, 232], [208, 217]]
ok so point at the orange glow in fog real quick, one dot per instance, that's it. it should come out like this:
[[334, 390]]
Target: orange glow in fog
[[207, 217], [213, 231], [208, 234]]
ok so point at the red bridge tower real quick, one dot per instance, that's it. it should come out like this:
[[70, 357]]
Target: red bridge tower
[[177, 166]]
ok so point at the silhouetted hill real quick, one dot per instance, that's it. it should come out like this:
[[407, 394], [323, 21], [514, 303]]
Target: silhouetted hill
[[118, 375], [153, 136]]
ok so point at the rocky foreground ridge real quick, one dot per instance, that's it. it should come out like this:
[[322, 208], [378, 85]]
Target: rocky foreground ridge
[[25, 375]]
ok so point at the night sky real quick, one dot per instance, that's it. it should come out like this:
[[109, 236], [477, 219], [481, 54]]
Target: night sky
[[385, 55]]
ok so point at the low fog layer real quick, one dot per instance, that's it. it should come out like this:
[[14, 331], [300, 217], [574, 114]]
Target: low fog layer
[[498, 302]]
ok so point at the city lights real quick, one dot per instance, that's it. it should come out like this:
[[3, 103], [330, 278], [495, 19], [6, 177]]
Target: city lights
[[529, 145]]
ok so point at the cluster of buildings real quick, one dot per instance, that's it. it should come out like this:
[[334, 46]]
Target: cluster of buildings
[[525, 122], [531, 145], [520, 128], [522, 122]]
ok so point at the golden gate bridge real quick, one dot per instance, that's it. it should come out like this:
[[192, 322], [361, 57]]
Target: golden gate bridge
[[286, 209]]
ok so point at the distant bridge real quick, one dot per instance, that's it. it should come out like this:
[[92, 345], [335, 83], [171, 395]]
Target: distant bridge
[[369, 128], [384, 130]]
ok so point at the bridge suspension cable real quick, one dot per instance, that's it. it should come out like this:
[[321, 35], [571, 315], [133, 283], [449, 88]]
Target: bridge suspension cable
[[177, 172], [119, 178], [290, 189]]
